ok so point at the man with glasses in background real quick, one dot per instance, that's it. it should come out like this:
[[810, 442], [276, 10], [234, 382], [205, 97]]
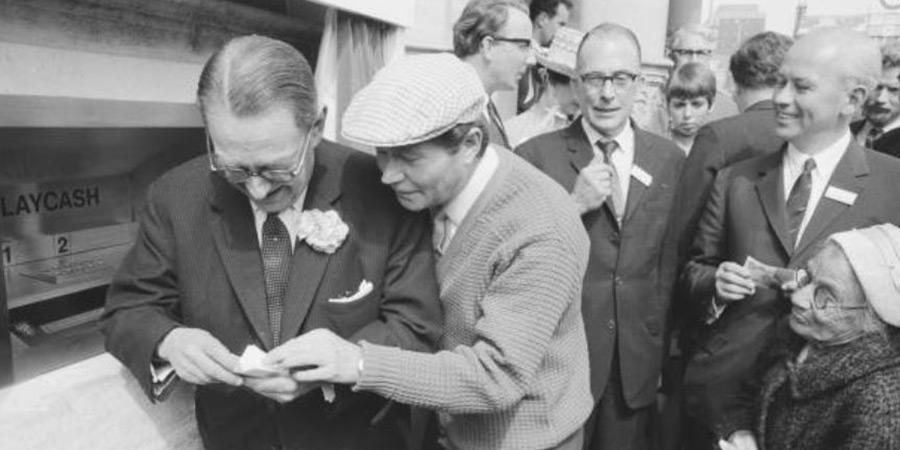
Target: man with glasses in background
[[286, 234], [694, 43], [623, 180], [494, 36]]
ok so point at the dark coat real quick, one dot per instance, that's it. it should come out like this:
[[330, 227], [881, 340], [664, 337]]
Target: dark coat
[[841, 398], [746, 216], [197, 263], [888, 143], [631, 271]]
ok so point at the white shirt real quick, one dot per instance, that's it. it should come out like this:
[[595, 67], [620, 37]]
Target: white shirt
[[826, 161], [867, 126], [537, 120], [622, 158], [458, 208], [290, 217]]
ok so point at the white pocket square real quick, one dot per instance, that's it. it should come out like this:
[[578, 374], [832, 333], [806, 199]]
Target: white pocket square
[[365, 287]]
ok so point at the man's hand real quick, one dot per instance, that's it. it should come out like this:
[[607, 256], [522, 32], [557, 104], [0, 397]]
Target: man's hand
[[318, 355], [593, 185], [198, 357], [739, 440], [281, 388], [733, 282]]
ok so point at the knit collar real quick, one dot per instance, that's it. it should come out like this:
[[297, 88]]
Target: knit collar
[[835, 367]]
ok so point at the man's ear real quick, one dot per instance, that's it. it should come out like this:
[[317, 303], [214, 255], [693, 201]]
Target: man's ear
[[471, 144], [318, 127], [856, 99], [541, 19], [486, 48]]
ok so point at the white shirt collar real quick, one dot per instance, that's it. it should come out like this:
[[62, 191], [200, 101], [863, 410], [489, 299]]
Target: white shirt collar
[[289, 216], [625, 138], [826, 160], [459, 207], [867, 125]]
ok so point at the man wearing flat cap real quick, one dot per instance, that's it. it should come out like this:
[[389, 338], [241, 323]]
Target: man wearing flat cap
[[834, 382], [513, 370], [777, 208], [272, 233]]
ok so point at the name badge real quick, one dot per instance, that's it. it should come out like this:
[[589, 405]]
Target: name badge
[[641, 175], [841, 195]]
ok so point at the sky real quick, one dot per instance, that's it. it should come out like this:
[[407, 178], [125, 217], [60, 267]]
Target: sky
[[780, 13]]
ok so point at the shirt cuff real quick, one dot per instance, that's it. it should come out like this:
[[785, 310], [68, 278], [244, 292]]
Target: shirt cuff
[[714, 311], [162, 377]]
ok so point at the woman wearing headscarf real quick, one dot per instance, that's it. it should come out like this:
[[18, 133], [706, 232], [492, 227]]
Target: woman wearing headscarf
[[835, 380]]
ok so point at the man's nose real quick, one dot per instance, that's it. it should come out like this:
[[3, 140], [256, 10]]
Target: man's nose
[[802, 298], [530, 59], [257, 187], [390, 174]]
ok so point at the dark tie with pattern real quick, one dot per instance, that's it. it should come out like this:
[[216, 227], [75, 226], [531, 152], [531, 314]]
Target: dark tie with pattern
[[797, 200], [616, 200], [276, 255], [874, 134], [498, 122]]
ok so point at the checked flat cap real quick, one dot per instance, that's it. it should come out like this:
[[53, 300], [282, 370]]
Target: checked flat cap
[[413, 100]]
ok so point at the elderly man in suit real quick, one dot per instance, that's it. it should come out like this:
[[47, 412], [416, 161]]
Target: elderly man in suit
[[776, 208], [623, 180], [512, 372], [880, 130], [271, 242]]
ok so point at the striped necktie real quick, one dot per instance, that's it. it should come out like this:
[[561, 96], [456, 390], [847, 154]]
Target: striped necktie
[[798, 199]]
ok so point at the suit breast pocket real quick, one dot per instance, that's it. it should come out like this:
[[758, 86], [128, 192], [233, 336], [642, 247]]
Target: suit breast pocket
[[348, 316]]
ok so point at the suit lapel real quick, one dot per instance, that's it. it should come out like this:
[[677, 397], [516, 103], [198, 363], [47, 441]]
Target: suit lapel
[[234, 234], [581, 152], [643, 158], [849, 175], [770, 190], [308, 265]]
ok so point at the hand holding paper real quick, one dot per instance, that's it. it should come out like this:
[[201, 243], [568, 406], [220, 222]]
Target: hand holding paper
[[319, 355], [272, 381]]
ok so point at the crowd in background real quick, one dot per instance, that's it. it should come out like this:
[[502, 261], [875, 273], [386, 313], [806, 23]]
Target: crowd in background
[[723, 273]]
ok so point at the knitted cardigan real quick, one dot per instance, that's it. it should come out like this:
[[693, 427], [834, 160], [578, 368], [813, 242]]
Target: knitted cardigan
[[514, 370], [842, 398]]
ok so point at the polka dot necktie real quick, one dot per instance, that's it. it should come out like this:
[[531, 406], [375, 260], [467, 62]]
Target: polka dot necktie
[[276, 255]]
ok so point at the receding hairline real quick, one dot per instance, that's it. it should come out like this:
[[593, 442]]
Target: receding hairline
[[609, 30], [850, 52]]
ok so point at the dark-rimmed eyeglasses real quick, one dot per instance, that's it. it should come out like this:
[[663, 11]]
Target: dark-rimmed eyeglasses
[[520, 43], [822, 298], [691, 52], [240, 175], [597, 80]]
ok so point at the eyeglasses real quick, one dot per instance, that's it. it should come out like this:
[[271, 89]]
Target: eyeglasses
[[241, 175], [690, 52], [822, 298], [520, 43], [620, 80]]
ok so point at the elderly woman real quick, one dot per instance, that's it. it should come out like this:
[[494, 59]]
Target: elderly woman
[[835, 383], [689, 99]]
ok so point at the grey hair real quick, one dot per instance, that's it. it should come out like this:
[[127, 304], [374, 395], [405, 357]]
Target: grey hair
[[251, 74], [480, 19]]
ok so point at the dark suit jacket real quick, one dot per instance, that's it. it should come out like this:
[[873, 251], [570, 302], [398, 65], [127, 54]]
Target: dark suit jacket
[[718, 144], [888, 143], [746, 216], [631, 271], [197, 263]]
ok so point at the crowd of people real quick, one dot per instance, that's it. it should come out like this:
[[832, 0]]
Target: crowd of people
[[570, 279]]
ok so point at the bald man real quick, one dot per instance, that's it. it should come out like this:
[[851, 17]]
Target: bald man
[[776, 209]]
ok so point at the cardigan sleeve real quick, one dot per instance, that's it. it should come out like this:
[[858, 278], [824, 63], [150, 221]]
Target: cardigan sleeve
[[534, 283]]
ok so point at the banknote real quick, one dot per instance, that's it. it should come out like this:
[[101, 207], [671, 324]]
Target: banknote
[[766, 276]]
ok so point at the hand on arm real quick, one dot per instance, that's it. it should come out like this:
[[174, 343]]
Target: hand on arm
[[198, 357], [593, 185]]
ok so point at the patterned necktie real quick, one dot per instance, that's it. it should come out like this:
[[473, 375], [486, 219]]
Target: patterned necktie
[[498, 123], [874, 134], [276, 256], [616, 200], [440, 238], [797, 200]]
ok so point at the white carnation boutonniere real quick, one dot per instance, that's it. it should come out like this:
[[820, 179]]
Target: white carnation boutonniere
[[324, 231]]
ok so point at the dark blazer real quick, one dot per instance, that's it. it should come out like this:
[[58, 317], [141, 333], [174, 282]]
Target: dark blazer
[[717, 145], [197, 263], [746, 216], [630, 274], [888, 143]]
